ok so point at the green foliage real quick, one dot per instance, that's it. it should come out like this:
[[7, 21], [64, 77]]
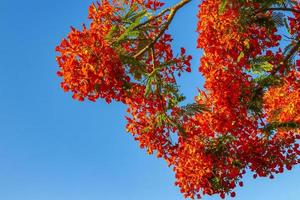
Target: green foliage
[[219, 146], [287, 26], [152, 84], [267, 81], [261, 68], [287, 50], [192, 109], [222, 6], [285, 125], [240, 56], [135, 66], [261, 65], [278, 19], [130, 23], [130, 30]]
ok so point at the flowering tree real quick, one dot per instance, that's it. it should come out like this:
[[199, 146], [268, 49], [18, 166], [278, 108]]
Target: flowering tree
[[248, 116]]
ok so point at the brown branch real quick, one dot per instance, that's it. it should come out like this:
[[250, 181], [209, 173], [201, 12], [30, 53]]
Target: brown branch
[[282, 9], [152, 18], [287, 58], [292, 52], [173, 11]]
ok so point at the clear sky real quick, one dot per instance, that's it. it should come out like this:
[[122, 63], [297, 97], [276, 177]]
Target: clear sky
[[54, 148]]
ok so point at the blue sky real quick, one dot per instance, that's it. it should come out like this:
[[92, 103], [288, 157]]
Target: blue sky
[[54, 148]]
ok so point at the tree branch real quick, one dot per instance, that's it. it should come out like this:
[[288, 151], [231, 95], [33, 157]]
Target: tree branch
[[287, 57], [173, 11], [259, 89], [152, 18], [283, 9]]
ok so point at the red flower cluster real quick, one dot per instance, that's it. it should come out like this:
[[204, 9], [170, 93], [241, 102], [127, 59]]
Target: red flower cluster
[[89, 66], [282, 103], [96, 63], [252, 96], [223, 143]]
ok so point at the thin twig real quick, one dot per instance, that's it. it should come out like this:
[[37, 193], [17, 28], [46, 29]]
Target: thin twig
[[282, 9], [152, 18], [287, 58], [173, 11]]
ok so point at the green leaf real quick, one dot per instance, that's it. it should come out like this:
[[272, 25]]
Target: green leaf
[[266, 66], [278, 18], [240, 56], [267, 80], [287, 26], [130, 32], [222, 6], [192, 109], [132, 62], [262, 67], [288, 48], [111, 33], [160, 119], [149, 84], [130, 13], [275, 125]]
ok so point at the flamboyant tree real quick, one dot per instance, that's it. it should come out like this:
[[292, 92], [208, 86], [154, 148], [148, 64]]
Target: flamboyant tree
[[246, 119]]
